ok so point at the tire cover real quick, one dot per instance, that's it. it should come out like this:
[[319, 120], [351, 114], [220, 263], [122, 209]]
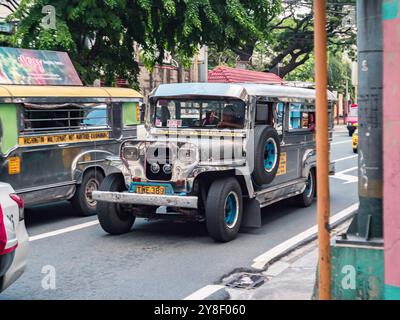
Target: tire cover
[[267, 148]]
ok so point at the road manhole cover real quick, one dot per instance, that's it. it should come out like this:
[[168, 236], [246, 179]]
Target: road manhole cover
[[246, 281]]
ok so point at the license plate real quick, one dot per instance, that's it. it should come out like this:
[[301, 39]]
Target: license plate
[[150, 189]]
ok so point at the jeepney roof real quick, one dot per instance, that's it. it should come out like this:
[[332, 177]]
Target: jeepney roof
[[22, 91], [233, 90]]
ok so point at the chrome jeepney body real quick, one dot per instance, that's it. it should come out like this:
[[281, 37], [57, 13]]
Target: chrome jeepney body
[[198, 156]]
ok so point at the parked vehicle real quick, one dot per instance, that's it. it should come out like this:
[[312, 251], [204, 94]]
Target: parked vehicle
[[54, 139], [13, 236], [355, 142], [352, 119], [214, 152]]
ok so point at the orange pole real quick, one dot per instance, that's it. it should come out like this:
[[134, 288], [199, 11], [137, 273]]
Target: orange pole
[[321, 79]]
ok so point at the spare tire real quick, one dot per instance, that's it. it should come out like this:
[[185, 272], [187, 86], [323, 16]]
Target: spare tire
[[267, 149]]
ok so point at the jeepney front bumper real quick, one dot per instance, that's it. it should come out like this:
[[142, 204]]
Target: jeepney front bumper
[[146, 199]]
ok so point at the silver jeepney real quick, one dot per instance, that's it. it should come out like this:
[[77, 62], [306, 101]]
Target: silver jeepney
[[202, 143]]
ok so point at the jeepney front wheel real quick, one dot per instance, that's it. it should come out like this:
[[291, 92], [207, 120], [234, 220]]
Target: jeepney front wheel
[[82, 200], [224, 209], [113, 218]]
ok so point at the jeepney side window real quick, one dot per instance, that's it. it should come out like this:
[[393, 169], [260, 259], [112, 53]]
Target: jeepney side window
[[64, 118], [132, 113], [279, 115], [301, 116]]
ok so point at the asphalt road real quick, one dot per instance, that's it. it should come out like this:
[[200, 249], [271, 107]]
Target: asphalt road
[[158, 259]]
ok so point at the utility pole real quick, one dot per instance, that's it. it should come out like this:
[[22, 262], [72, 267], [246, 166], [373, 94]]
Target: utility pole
[[323, 204], [368, 223]]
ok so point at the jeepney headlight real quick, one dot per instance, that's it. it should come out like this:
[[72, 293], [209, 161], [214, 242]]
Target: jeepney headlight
[[188, 154], [130, 153]]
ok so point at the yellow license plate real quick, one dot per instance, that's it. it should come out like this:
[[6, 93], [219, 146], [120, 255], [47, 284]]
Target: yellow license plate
[[150, 189]]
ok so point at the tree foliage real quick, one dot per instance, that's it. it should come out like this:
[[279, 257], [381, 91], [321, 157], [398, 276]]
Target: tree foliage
[[288, 38], [293, 32], [100, 35], [338, 72]]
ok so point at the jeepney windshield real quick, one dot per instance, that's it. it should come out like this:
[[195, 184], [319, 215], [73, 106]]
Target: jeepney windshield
[[199, 113]]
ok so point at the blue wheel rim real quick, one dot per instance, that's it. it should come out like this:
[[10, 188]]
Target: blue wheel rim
[[270, 155], [231, 210], [309, 186]]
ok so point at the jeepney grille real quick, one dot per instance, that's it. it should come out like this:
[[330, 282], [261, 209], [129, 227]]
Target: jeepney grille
[[161, 156]]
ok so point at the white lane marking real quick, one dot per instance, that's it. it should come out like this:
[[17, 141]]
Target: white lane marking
[[303, 237], [340, 142], [345, 158], [204, 292], [64, 230], [346, 177]]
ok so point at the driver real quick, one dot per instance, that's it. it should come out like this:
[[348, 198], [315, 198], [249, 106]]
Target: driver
[[229, 119]]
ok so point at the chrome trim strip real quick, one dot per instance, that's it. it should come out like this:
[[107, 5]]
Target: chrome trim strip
[[146, 199], [49, 186]]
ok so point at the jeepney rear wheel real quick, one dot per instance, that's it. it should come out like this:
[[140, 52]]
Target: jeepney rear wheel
[[224, 209], [113, 217], [306, 198], [82, 200]]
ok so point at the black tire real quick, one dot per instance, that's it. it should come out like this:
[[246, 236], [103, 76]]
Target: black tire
[[306, 198], [81, 201], [224, 194], [111, 216], [264, 135]]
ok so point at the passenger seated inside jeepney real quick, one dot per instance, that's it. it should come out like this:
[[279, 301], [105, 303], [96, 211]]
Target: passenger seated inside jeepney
[[163, 114], [311, 121], [230, 119], [211, 119]]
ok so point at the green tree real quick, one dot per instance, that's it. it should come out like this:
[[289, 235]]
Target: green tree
[[100, 35], [293, 33], [287, 39], [339, 70]]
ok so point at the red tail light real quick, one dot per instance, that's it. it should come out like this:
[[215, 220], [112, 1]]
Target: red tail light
[[21, 204], [18, 200], [3, 235]]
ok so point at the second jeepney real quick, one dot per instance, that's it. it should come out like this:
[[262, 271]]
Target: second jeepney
[[217, 153]]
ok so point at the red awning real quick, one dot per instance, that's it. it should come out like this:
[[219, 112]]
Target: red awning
[[235, 75]]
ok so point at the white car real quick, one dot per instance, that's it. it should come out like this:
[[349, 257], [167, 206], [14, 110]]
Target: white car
[[13, 236]]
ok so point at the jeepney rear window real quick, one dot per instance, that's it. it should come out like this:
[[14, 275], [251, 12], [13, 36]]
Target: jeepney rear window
[[223, 114], [65, 118]]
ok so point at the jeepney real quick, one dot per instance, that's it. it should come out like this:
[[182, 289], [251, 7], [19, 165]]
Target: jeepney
[[54, 139], [217, 153]]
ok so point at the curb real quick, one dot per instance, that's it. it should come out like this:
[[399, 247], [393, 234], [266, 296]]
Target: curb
[[310, 234]]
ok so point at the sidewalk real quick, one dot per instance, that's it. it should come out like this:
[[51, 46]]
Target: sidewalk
[[292, 277]]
